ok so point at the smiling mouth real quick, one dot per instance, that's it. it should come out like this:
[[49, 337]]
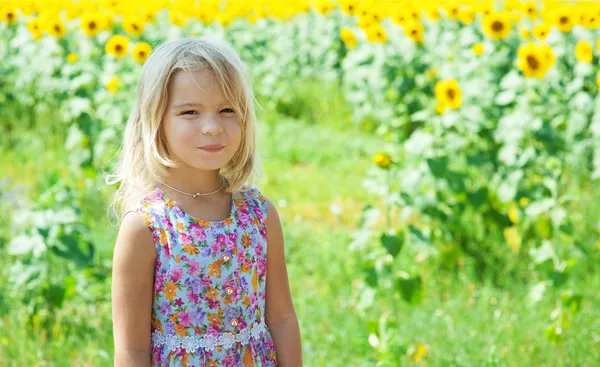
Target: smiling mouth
[[212, 148]]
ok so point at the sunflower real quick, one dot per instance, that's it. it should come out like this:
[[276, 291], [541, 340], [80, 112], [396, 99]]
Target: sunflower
[[541, 31], [72, 58], [148, 15], [133, 25], [564, 19], [113, 85], [477, 49], [348, 6], [453, 10], [448, 93], [376, 34], [530, 8], [535, 60], [35, 28], [348, 37], [178, 18], [117, 45], [382, 160], [8, 15], [524, 33], [497, 25], [56, 28], [590, 20], [414, 30], [324, 7], [400, 16], [91, 24], [583, 51], [466, 16], [141, 51]]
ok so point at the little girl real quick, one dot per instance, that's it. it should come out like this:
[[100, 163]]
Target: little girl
[[199, 273]]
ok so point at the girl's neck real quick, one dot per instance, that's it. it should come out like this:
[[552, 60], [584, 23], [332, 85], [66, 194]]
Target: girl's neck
[[194, 181]]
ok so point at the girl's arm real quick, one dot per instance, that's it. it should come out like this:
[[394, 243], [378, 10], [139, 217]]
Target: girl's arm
[[280, 316], [132, 283]]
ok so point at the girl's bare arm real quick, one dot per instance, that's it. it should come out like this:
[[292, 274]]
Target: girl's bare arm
[[132, 283], [280, 313]]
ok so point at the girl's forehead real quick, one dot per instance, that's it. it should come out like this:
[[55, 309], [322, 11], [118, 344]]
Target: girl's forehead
[[195, 83]]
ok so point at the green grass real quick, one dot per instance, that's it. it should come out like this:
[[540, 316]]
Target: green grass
[[308, 167]]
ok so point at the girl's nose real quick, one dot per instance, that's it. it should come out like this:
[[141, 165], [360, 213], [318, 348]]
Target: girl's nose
[[210, 126]]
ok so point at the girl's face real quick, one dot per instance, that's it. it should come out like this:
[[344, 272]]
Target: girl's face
[[198, 114]]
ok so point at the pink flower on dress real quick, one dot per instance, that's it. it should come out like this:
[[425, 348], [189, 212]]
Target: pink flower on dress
[[194, 267], [220, 239], [185, 318], [245, 217], [185, 238], [176, 274], [261, 266], [155, 195], [198, 234], [192, 297]]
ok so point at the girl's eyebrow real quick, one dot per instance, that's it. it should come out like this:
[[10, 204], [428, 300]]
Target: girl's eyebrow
[[192, 104]]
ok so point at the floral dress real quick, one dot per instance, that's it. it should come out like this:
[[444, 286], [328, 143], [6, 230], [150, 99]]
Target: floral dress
[[209, 284]]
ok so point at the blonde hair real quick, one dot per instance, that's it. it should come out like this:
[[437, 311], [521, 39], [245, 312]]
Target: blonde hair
[[143, 155]]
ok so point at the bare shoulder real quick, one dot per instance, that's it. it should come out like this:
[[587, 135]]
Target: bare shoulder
[[270, 206], [135, 237], [132, 286]]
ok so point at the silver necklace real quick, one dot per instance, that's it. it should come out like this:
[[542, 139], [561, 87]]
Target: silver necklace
[[197, 194]]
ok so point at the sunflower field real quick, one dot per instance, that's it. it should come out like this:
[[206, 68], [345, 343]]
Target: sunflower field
[[436, 164]]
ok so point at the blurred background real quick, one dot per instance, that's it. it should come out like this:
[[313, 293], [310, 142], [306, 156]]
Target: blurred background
[[435, 164]]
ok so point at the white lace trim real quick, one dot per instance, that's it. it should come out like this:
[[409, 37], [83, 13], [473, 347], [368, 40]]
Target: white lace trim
[[209, 342]]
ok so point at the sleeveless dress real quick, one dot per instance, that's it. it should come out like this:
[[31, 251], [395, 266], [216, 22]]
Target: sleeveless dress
[[209, 284]]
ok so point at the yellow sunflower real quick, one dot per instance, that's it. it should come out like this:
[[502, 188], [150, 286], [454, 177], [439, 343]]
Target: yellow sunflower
[[348, 37], [590, 20], [477, 49], [91, 24], [497, 25], [72, 58], [530, 8], [133, 25], [324, 7], [349, 6], [448, 93], [564, 19], [400, 16], [56, 28], [466, 16], [141, 51], [117, 45], [453, 9], [113, 85], [541, 31], [376, 34], [535, 60], [583, 51], [34, 26], [414, 30], [382, 160], [8, 15], [148, 15]]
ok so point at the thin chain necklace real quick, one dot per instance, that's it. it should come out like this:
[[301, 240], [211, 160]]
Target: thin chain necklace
[[196, 194]]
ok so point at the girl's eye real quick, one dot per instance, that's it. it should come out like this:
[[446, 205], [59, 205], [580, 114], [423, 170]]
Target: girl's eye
[[229, 110], [187, 112]]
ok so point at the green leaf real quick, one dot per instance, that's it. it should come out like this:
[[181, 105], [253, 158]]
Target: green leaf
[[417, 233], [411, 289], [478, 198], [370, 276], [572, 301], [393, 243], [438, 166]]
